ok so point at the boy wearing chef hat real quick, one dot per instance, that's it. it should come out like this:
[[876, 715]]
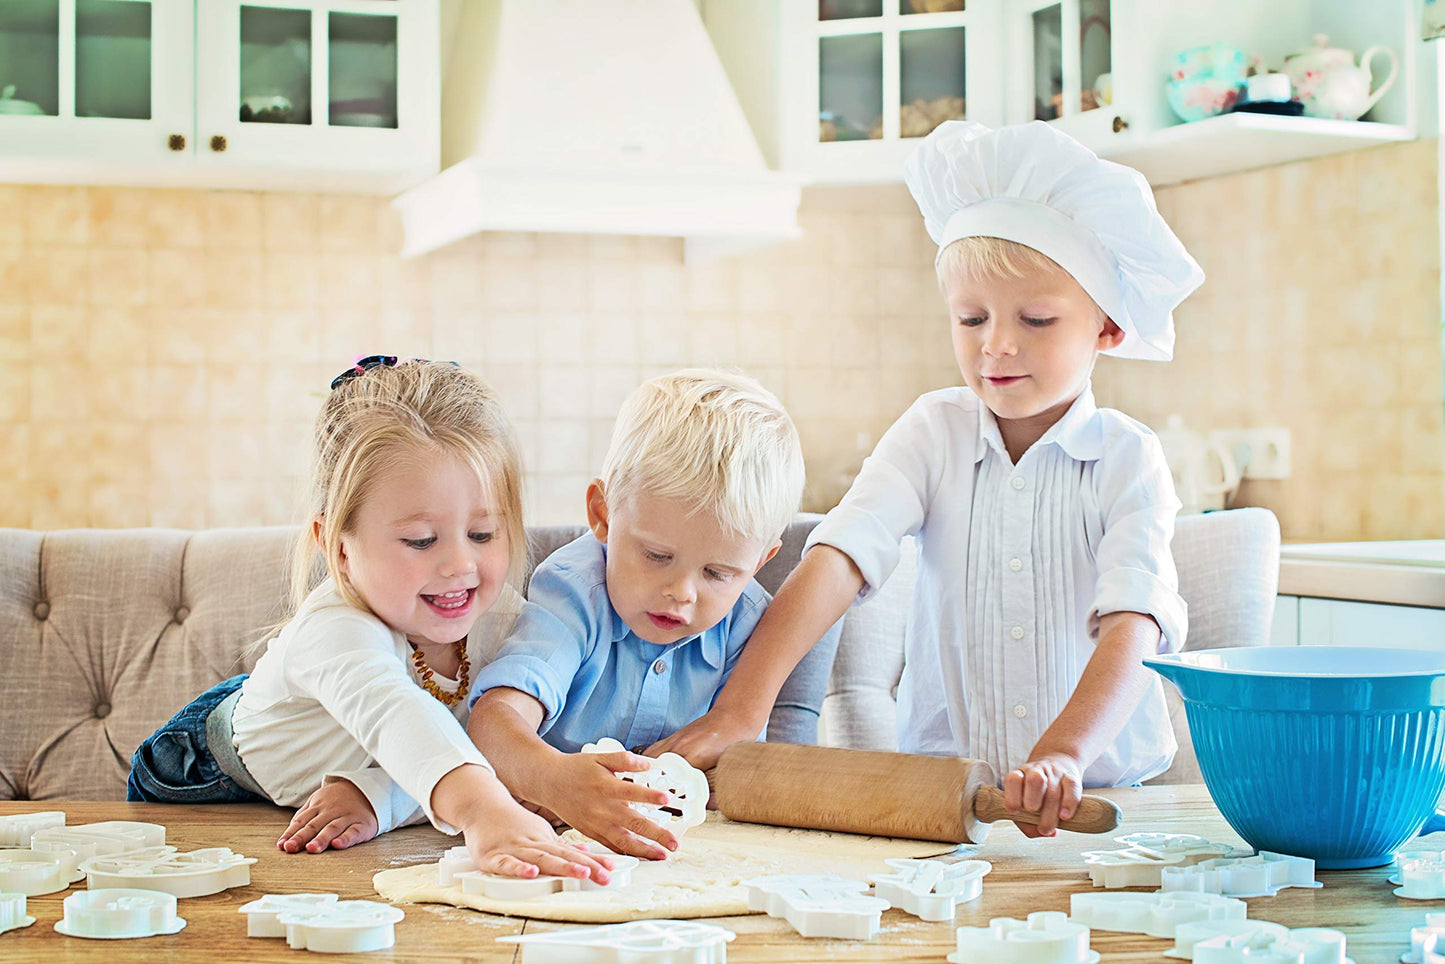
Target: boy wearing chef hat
[[1042, 522]]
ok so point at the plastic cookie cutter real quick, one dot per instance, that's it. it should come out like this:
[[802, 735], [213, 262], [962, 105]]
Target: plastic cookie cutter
[[1138, 864], [1187, 935], [112, 913], [1154, 914], [193, 874], [818, 905], [1263, 875], [931, 889], [32, 874], [12, 913], [1303, 945], [16, 829], [1421, 875], [635, 942], [88, 840], [1427, 944], [455, 861], [498, 887], [262, 913], [1047, 937], [345, 927], [684, 784]]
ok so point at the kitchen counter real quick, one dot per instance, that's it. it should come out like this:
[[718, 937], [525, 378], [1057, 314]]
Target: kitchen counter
[[1406, 573]]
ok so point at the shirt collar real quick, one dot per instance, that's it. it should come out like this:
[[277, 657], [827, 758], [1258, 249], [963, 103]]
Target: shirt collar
[[1080, 433]]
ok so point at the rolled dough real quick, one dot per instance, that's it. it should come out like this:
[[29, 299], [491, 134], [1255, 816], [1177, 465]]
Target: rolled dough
[[703, 879]]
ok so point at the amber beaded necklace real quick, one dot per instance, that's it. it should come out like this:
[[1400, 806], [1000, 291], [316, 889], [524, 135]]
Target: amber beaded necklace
[[464, 676]]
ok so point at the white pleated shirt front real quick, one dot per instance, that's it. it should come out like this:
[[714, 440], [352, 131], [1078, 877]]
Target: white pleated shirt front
[[1016, 563]]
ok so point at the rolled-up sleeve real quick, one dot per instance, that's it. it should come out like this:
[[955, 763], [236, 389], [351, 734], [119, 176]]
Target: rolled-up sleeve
[[1135, 563], [392, 805]]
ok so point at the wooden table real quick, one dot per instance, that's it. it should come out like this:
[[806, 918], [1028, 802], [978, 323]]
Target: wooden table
[[1028, 875]]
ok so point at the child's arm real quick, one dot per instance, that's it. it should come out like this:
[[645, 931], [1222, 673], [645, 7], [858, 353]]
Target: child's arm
[[580, 788], [1109, 690]]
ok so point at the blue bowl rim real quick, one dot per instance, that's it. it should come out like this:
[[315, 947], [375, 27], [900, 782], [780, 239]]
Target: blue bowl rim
[[1182, 660]]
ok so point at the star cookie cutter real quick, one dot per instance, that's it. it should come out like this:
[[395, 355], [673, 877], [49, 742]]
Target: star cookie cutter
[[1420, 874], [345, 927], [1154, 914], [818, 905], [684, 784], [16, 829], [193, 874], [1427, 943], [32, 874], [78, 843], [635, 942], [1144, 855], [1046, 937], [499, 887], [1263, 875], [12, 913], [931, 889], [262, 914], [115, 913]]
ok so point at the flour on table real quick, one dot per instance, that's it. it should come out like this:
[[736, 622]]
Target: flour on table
[[703, 879]]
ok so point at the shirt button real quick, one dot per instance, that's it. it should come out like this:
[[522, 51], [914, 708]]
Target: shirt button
[[1020, 710], [1015, 564], [1017, 482], [660, 667], [1017, 632]]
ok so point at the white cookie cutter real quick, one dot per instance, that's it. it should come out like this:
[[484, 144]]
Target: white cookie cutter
[[635, 942], [83, 841], [1427, 943], [32, 874], [1138, 864], [455, 861], [1188, 934], [1154, 914], [1303, 945], [931, 889], [818, 905], [684, 784], [193, 874], [1421, 876], [1047, 937], [262, 913], [111, 914], [345, 927], [499, 887], [12, 913], [1263, 875], [16, 829]]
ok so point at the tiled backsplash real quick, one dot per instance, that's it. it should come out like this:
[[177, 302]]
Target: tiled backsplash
[[165, 350]]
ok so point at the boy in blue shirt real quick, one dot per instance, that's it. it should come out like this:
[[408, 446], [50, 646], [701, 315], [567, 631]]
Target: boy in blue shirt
[[631, 631]]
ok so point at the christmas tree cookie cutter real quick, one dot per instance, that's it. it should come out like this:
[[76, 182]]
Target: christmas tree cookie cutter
[[635, 942], [32, 874], [12, 913], [262, 914], [1420, 874], [931, 889], [1144, 855], [1154, 914], [16, 829], [1263, 875], [1427, 943], [1046, 937], [345, 927], [193, 874], [818, 905], [684, 784], [116, 913]]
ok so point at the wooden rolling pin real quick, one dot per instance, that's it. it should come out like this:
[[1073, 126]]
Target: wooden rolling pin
[[948, 799]]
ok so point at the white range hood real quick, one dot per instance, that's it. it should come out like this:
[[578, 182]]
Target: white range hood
[[597, 116]]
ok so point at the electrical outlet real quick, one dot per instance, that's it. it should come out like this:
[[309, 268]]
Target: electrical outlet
[[1261, 453]]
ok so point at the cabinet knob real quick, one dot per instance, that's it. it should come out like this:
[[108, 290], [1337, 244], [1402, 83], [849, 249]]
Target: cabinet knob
[[176, 142], [1119, 124], [218, 143]]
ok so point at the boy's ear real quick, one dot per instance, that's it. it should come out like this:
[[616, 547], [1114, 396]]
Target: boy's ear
[[597, 510], [1110, 336], [768, 556]]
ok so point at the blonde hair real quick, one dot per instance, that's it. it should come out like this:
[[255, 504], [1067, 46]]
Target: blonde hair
[[977, 258], [387, 414], [717, 441]]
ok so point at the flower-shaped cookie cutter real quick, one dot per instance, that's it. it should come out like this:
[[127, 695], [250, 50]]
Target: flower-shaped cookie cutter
[[262, 913], [1154, 914], [1046, 937], [12, 913], [499, 887], [1427, 943], [1139, 863], [635, 942], [931, 889], [193, 874], [32, 874], [115, 913], [1311, 945], [1420, 874], [818, 905], [1263, 875], [83, 841], [16, 829], [345, 927], [684, 784]]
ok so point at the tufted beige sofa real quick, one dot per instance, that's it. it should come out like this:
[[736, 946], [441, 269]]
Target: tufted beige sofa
[[105, 633]]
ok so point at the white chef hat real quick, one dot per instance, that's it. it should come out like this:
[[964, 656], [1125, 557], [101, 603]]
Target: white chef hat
[[1033, 184]]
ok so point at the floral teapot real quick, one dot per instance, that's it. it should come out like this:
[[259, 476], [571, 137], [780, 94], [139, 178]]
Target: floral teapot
[[1329, 84]]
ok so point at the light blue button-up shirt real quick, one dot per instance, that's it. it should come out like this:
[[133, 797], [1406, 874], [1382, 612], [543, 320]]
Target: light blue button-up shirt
[[593, 675]]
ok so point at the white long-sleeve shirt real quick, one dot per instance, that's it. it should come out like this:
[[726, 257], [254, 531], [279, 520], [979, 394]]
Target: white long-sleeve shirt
[[336, 696], [1015, 566]]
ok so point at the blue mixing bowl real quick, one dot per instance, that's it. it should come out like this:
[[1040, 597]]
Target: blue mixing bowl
[[1330, 752]]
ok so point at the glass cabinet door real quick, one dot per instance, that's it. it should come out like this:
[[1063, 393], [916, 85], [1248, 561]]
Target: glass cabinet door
[[1069, 51], [932, 81], [30, 58]]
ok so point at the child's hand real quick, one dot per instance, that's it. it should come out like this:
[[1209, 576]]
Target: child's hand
[[1051, 784], [517, 843], [702, 741], [585, 791], [338, 815]]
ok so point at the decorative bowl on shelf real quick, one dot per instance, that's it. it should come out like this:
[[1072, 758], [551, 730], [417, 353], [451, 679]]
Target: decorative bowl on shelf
[[9, 105], [1205, 81]]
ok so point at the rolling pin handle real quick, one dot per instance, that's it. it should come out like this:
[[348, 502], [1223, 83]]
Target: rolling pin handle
[[1094, 814]]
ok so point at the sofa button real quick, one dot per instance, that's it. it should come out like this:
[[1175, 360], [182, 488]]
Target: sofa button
[[42, 610], [182, 614], [102, 710], [1020, 710]]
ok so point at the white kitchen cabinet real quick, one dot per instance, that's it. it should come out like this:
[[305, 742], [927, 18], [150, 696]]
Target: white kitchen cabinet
[[1284, 626], [1338, 622], [336, 95]]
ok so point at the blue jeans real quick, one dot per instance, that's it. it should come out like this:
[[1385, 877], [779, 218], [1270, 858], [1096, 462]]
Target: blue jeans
[[173, 765]]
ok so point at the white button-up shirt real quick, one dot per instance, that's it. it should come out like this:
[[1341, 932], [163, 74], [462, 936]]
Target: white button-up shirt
[[1016, 563]]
